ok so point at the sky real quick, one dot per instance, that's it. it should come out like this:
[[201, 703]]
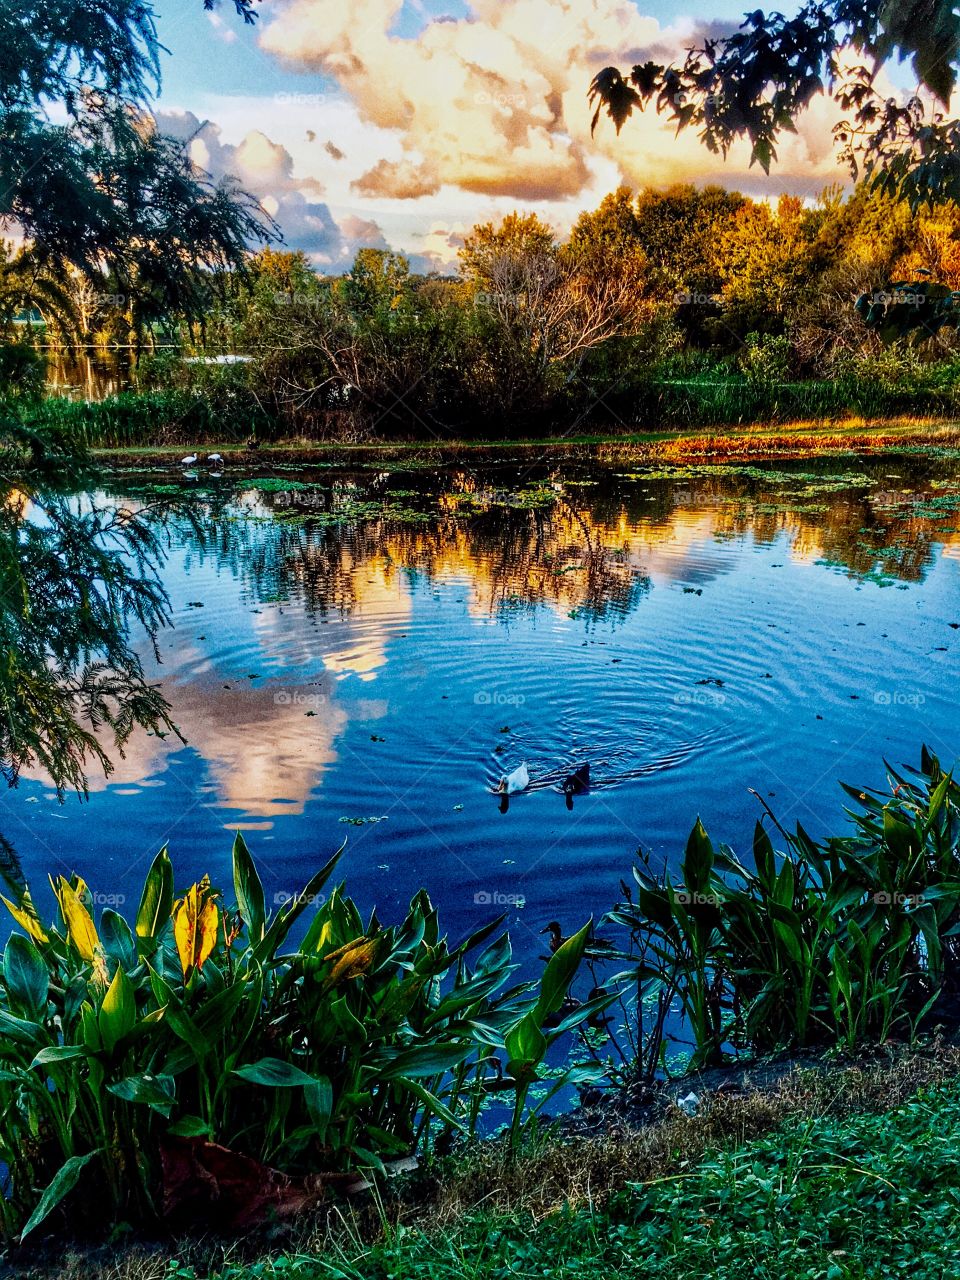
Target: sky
[[403, 123]]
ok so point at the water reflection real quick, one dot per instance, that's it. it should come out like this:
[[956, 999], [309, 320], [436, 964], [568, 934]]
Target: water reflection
[[377, 648], [75, 577]]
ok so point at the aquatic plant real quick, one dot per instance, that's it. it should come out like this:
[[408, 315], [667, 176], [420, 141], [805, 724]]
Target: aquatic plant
[[852, 939], [197, 1063]]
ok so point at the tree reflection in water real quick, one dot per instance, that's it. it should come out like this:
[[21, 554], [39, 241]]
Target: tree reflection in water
[[76, 580]]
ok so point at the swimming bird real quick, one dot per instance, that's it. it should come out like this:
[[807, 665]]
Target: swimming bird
[[596, 948], [576, 783], [189, 460], [512, 783]]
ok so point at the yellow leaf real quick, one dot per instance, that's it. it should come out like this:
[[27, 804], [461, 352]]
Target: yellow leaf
[[350, 961], [185, 928], [27, 921], [206, 932], [195, 920], [80, 927]]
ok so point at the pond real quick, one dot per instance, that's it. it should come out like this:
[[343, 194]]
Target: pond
[[363, 652]]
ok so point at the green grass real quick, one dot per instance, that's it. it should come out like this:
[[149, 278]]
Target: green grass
[[869, 1196], [851, 1198]]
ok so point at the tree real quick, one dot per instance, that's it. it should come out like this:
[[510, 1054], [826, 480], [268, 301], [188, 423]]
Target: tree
[[544, 307], [102, 186], [755, 82]]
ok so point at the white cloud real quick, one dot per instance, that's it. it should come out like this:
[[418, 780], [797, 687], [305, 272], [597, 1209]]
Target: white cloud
[[266, 169]]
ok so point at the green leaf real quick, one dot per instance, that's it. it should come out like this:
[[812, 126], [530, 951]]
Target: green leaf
[[249, 890], [432, 1103], [63, 1183], [118, 1013], [157, 1092], [698, 860], [274, 1074], [25, 973], [526, 1046], [425, 1061], [189, 1127], [117, 939], [55, 1053], [19, 1029], [560, 972], [156, 902], [318, 1096], [284, 920]]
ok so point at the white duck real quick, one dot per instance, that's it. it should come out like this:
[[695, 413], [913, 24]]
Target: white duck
[[189, 460], [512, 783]]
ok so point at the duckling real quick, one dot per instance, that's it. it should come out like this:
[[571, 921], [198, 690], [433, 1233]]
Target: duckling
[[576, 783]]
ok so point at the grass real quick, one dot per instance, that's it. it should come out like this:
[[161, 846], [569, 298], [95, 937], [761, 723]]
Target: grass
[[839, 1174], [792, 440]]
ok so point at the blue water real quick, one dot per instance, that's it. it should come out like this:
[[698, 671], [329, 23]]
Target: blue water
[[690, 638]]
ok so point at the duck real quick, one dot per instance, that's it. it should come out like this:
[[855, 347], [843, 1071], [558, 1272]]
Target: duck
[[576, 783], [596, 948], [190, 460], [512, 783]]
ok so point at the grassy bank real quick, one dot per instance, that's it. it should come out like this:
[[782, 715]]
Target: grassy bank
[[842, 1174], [229, 408], [792, 440]]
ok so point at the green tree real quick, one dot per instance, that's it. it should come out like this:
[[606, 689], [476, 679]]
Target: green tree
[[102, 186]]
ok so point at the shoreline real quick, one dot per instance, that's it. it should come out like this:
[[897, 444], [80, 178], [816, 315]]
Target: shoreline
[[797, 440]]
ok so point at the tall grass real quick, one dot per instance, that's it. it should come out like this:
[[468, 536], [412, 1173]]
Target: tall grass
[[145, 418]]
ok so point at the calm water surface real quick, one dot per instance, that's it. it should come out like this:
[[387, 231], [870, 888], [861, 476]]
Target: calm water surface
[[363, 654]]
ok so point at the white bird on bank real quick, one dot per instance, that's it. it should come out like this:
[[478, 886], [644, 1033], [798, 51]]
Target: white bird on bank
[[189, 460], [216, 458], [512, 783]]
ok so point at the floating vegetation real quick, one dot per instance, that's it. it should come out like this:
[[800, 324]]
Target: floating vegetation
[[803, 481]]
